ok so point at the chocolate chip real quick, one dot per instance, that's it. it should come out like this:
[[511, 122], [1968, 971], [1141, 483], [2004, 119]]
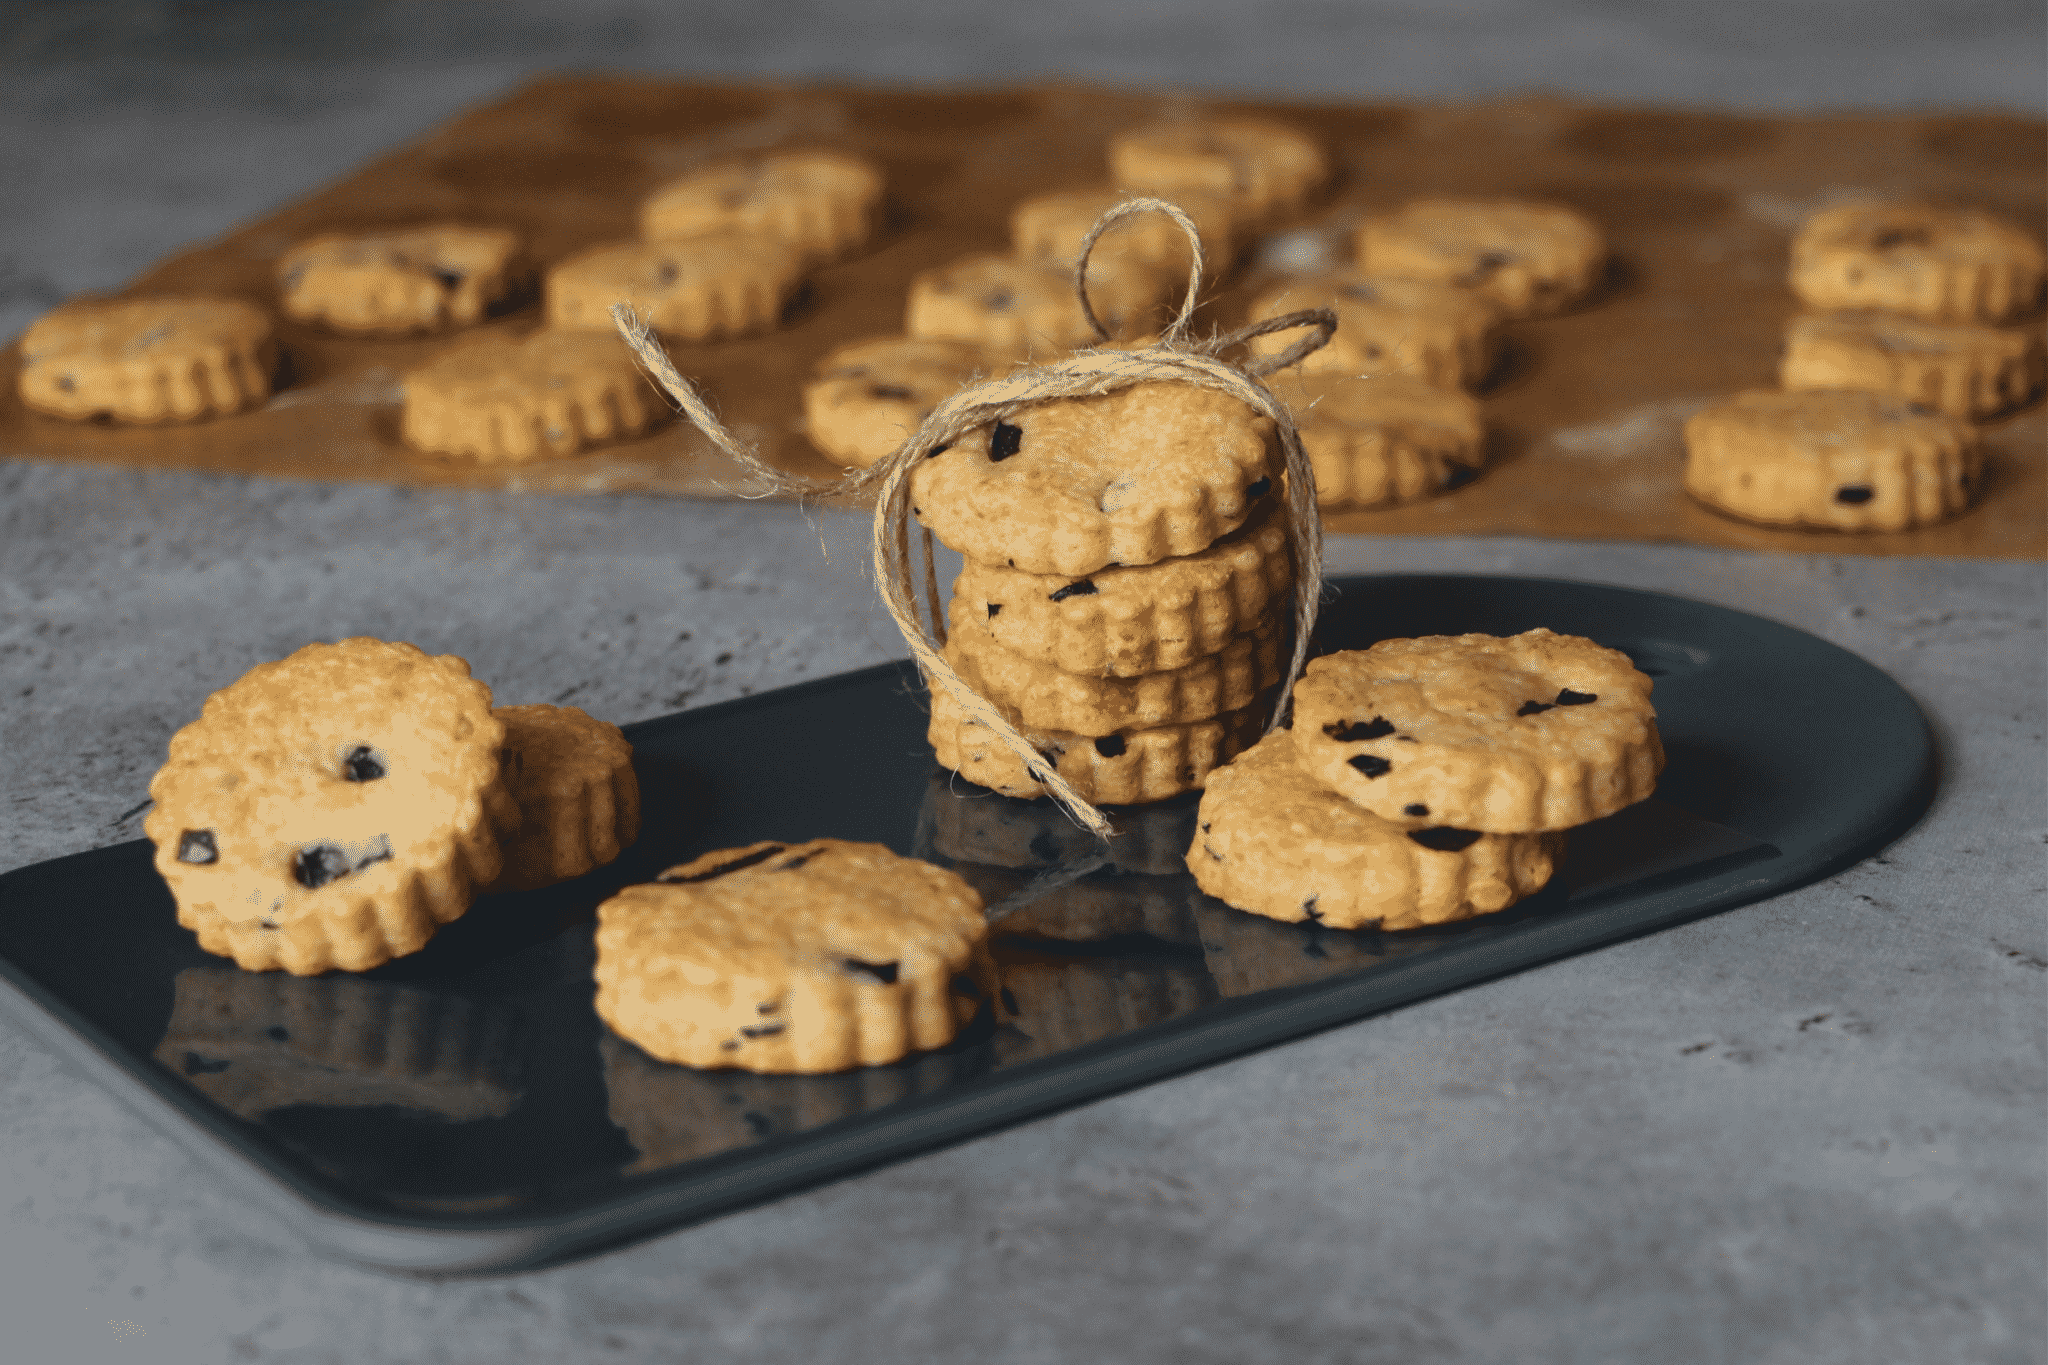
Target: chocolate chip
[[997, 300], [1854, 494], [729, 1045], [197, 846], [995, 609], [1567, 697], [760, 1125], [759, 855], [1308, 907], [883, 972], [1372, 765], [1259, 489], [1444, 839], [66, 384], [762, 1030], [768, 1007], [314, 867], [666, 272], [449, 278], [1081, 589], [1110, 746], [1535, 708], [1004, 442], [361, 765], [889, 391], [1205, 827], [278, 1033], [1415, 808], [1891, 237], [794, 863], [196, 1065], [270, 924], [1350, 732]]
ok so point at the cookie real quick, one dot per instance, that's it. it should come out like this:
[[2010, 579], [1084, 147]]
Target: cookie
[[672, 1114], [422, 279], [1506, 735], [1944, 264], [780, 958], [1125, 621], [1053, 226], [1017, 308], [871, 394], [1960, 368], [724, 284], [967, 824], [1131, 767], [497, 399], [1421, 329], [1091, 909], [1273, 840], [332, 809], [1246, 954], [1060, 1003], [254, 1043], [1836, 459], [1268, 170], [1384, 440], [1069, 487], [1530, 259], [1046, 698], [148, 360], [579, 801], [824, 204]]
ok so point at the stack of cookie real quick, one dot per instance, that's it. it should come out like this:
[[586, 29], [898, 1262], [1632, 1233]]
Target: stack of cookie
[[1427, 780], [1911, 344], [335, 808], [1384, 410], [1126, 589]]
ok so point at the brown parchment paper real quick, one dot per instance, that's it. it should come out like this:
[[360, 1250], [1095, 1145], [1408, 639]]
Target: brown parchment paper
[[1584, 417]]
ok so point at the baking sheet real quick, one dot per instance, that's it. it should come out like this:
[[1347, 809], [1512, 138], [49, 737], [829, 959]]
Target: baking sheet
[[1584, 417]]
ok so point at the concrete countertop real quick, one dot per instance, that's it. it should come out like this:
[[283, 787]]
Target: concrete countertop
[[1809, 1130]]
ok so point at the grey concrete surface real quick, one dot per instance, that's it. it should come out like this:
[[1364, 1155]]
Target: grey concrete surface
[[1810, 1130]]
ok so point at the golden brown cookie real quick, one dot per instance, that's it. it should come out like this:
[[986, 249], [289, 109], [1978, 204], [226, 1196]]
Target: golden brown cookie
[[334, 808], [1960, 368], [967, 824], [1053, 226], [724, 284], [1058, 1003], [1421, 329], [255, 1042], [148, 360], [1269, 170], [579, 801], [1072, 486], [1125, 621], [871, 394], [781, 958], [1384, 440], [1047, 698], [1019, 308], [422, 279], [1103, 906], [1837, 459], [1946, 264], [1531, 259], [1131, 767], [497, 399], [824, 204], [1508, 735], [1275, 841]]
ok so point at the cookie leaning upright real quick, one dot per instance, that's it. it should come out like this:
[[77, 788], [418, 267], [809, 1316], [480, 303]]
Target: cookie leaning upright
[[579, 799], [803, 958], [334, 808], [421, 279], [1504, 735]]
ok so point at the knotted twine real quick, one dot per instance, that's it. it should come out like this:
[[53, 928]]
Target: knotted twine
[[1084, 374]]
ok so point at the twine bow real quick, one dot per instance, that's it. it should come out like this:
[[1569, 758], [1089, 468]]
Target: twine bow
[[1084, 374]]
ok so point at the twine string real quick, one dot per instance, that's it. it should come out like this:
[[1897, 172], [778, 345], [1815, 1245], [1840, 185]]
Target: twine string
[[1083, 374]]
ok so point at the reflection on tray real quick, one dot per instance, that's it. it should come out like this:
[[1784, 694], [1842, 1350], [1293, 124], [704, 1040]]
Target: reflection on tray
[[256, 1042], [966, 823]]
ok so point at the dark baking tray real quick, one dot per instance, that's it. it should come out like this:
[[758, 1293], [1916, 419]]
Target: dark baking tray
[[463, 1110]]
